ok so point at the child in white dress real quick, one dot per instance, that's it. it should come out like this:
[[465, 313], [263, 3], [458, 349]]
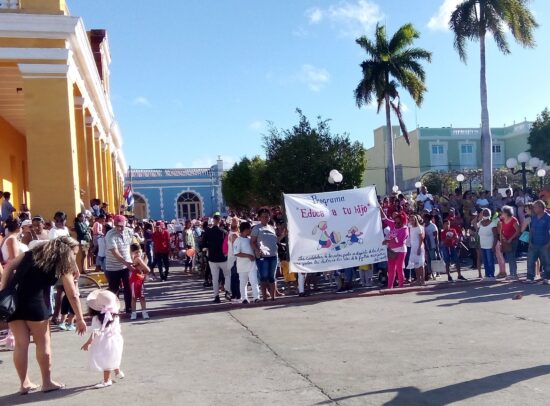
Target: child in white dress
[[105, 343]]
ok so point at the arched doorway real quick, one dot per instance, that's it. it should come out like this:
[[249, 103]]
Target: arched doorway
[[140, 207], [189, 206]]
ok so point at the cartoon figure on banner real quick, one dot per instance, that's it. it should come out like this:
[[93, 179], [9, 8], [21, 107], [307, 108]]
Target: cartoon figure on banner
[[328, 241], [354, 235]]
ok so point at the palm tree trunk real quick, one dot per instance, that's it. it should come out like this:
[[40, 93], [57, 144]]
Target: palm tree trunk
[[390, 159], [486, 140]]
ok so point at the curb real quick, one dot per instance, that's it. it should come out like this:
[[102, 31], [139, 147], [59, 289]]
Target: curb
[[316, 298]]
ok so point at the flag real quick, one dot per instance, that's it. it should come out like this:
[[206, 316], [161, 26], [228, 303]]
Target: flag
[[129, 196]]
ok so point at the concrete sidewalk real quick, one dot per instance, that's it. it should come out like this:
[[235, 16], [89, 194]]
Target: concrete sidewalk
[[468, 345], [184, 294]]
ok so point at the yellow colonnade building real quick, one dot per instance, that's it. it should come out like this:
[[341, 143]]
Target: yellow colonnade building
[[58, 134]]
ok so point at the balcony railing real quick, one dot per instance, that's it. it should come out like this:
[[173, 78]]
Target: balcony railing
[[9, 4]]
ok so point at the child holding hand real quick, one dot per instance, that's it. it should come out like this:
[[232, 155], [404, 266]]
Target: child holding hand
[[137, 279]]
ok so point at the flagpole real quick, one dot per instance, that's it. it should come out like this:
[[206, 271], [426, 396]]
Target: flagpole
[[131, 188]]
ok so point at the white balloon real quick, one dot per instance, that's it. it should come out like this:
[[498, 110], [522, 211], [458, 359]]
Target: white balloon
[[333, 173], [330, 180], [339, 177]]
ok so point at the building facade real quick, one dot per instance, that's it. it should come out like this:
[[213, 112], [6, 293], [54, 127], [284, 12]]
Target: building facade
[[58, 133], [440, 149], [179, 193]]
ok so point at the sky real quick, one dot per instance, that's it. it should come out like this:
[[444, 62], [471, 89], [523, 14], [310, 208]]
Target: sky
[[192, 80]]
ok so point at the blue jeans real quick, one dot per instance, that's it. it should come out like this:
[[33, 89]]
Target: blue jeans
[[510, 257], [266, 268], [538, 252], [488, 262]]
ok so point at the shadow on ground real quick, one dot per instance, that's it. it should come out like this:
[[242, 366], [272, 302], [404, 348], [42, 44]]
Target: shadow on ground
[[411, 395], [482, 293]]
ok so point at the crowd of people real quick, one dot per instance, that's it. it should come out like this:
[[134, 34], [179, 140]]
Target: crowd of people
[[426, 237]]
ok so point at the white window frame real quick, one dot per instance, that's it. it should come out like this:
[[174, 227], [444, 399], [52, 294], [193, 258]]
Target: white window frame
[[444, 164], [501, 154], [464, 164]]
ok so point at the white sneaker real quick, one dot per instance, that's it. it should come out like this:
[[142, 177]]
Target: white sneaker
[[103, 384], [133, 316], [119, 375], [144, 314]]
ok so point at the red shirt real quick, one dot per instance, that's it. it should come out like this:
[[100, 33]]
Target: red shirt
[[449, 238], [508, 229], [161, 242]]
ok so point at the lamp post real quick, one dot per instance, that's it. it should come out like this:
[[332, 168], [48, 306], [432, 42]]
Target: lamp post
[[524, 159], [335, 177], [460, 178], [541, 173], [418, 185]]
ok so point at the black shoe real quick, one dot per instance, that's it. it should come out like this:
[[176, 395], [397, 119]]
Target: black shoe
[[449, 278], [342, 290], [245, 301], [462, 278], [216, 300], [302, 294]]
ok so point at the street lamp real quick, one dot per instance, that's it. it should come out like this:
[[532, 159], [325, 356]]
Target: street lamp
[[541, 173], [418, 185], [524, 159], [460, 178], [335, 177]]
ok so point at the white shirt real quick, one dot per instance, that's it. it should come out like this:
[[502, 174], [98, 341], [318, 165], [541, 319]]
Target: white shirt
[[486, 236], [431, 228], [427, 199], [242, 245], [58, 232]]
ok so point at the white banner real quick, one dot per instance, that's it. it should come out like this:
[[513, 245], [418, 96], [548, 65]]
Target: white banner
[[334, 230]]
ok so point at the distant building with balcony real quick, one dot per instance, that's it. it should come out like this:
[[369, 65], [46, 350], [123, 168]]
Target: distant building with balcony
[[440, 149]]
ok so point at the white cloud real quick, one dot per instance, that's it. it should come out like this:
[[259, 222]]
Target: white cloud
[[141, 101], [256, 125], [315, 15], [315, 78], [350, 18], [178, 165], [440, 20]]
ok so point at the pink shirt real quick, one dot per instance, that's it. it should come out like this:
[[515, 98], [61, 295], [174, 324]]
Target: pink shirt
[[397, 236]]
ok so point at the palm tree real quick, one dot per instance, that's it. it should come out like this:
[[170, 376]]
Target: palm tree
[[391, 64], [473, 19]]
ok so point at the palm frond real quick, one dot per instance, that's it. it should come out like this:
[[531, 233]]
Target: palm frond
[[403, 37], [464, 22]]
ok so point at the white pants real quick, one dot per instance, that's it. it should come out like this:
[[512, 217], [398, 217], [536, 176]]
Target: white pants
[[366, 277], [301, 282], [251, 276], [215, 268]]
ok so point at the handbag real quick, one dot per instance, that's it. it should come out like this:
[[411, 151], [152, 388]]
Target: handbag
[[8, 298], [391, 254], [524, 237]]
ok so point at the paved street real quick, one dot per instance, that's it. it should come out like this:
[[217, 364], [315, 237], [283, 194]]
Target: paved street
[[469, 345]]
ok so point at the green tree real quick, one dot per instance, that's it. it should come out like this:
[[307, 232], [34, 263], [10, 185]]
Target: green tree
[[391, 64], [539, 137], [473, 20], [241, 185], [298, 160]]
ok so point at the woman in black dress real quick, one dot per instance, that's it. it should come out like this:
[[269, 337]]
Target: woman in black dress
[[36, 271]]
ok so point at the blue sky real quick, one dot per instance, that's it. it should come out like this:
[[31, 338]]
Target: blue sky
[[194, 79]]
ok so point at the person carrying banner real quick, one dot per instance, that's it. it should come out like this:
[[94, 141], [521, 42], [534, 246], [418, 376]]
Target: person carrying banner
[[395, 241]]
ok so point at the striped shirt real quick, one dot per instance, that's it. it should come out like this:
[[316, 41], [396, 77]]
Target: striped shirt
[[120, 241]]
